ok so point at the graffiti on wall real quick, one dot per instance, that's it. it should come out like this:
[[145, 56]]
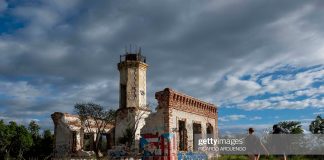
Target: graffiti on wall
[[157, 145], [192, 156]]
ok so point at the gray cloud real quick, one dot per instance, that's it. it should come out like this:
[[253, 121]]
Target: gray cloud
[[67, 51], [3, 6]]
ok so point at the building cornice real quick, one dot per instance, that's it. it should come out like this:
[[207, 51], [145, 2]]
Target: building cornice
[[180, 101]]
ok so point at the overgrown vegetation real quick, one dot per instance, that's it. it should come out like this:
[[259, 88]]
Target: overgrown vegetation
[[20, 142], [95, 116], [291, 127], [133, 120], [317, 126]]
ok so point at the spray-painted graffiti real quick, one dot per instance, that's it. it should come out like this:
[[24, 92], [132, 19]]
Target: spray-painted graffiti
[[118, 152], [157, 146], [192, 156]]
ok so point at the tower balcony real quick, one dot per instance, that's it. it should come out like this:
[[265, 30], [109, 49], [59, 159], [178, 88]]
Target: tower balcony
[[133, 57]]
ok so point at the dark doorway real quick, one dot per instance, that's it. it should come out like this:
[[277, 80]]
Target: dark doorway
[[88, 141], [196, 135], [183, 137], [74, 141], [209, 132]]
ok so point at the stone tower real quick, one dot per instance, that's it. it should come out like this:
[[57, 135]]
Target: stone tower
[[133, 108], [132, 69]]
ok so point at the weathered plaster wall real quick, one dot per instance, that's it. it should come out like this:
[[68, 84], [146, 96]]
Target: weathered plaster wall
[[128, 118], [133, 75], [62, 140], [174, 106], [65, 125], [142, 86], [132, 87], [154, 123], [190, 119]]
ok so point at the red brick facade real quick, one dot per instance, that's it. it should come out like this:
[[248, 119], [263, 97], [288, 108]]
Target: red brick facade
[[169, 98]]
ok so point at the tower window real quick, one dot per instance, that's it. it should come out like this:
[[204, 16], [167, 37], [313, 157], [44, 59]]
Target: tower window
[[122, 96]]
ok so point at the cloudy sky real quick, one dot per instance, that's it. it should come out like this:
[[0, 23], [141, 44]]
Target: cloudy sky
[[259, 61]]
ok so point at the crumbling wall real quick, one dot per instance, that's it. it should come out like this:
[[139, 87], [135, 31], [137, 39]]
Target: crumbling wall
[[128, 118], [154, 123], [62, 140], [68, 133]]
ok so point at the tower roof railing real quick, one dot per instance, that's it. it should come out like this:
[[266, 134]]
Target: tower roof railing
[[133, 57]]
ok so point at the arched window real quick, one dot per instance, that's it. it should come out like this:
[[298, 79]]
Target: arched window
[[209, 129]]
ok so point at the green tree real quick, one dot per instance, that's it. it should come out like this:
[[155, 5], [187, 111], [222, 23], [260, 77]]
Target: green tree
[[20, 140], [42, 143], [317, 126], [33, 128], [46, 144], [95, 116], [293, 127], [4, 139]]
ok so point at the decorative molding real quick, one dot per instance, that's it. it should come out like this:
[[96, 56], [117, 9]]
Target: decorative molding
[[172, 99]]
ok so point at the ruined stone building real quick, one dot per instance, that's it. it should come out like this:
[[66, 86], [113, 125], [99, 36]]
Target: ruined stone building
[[177, 119], [72, 140], [183, 116]]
